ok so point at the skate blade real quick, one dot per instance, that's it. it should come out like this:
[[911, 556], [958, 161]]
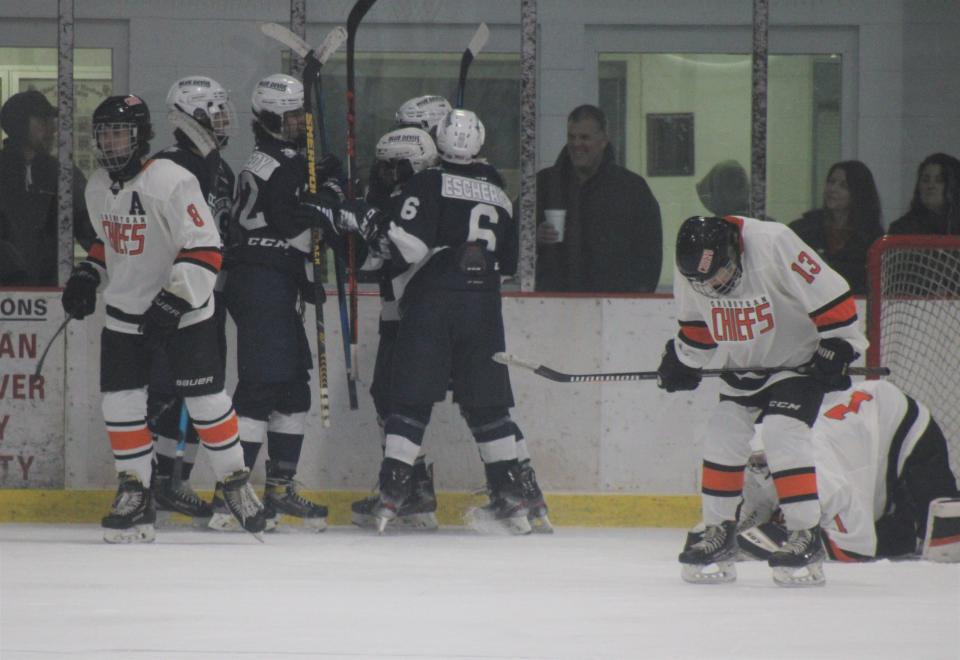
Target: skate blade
[[364, 520], [803, 576], [135, 534], [541, 525], [426, 522], [224, 522], [382, 524], [484, 522], [296, 523], [722, 572]]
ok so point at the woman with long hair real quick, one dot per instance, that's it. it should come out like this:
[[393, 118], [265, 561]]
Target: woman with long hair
[[935, 207], [848, 223]]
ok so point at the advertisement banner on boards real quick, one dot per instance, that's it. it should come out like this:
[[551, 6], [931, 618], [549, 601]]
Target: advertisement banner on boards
[[31, 407]]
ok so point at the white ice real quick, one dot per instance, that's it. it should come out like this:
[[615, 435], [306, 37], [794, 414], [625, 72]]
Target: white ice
[[346, 593]]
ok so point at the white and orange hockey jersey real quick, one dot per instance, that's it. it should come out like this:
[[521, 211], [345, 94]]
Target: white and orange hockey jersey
[[787, 300], [858, 435], [155, 231]]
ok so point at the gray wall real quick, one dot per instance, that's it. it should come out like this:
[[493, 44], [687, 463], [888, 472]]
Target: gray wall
[[901, 73]]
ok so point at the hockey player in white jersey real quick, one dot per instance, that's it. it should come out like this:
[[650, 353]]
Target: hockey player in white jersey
[[157, 257], [881, 459], [206, 103], [764, 297]]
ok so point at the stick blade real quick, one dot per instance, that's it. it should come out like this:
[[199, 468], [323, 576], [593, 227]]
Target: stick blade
[[479, 39], [331, 44], [200, 137], [359, 10], [285, 36]]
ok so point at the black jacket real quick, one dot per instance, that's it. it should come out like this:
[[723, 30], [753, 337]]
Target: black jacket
[[851, 260], [28, 218], [613, 239]]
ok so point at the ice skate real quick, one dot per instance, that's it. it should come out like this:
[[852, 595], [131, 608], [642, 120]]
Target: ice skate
[[243, 503], [178, 497], [418, 511], [799, 563], [507, 511], [711, 559], [396, 483], [281, 497], [132, 515], [536, 504], [222, 520]]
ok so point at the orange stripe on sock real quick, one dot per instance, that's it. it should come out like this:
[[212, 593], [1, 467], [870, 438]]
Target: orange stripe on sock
[[946, 540], [220, 433], [839, 554], [796, 485], [722, 480], [128, 440]]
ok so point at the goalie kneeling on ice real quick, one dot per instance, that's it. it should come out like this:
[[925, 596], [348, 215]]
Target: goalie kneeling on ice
[[942, 542]]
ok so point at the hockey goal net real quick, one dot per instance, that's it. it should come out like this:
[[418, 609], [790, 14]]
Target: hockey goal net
[[913, 319]]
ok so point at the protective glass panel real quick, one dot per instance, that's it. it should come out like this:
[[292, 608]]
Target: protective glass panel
[[712, 92]]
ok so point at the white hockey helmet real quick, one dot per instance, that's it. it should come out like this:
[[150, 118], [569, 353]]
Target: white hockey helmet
[[205, 100], [460, 136], [274, 98], [411, 144], [423, 112]]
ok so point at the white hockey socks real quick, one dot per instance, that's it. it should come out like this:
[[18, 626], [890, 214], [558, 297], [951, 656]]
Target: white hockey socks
[[125, 414], [216, 423]]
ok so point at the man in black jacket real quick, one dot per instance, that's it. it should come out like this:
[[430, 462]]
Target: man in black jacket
[[28, 193], [613, 238]]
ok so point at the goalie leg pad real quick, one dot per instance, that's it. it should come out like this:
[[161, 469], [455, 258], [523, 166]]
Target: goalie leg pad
[[942, 541], [760, 541]]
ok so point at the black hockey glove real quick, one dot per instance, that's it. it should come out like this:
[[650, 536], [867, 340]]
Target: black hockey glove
[[673, 375], [381, 181], [162, 319], [330, 167], [829, 363], [359, 217], [80, 295]]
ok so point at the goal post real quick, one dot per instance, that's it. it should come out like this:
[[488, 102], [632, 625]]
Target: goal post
[[913, 323]]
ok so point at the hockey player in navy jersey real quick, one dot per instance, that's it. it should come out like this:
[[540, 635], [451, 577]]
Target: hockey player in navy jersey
[[756, 290], [157, 257], [206, 102], [276, 213], [451, 231]]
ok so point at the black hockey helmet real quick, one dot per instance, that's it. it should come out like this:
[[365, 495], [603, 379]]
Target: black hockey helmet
[[708, 254], [122, 132]]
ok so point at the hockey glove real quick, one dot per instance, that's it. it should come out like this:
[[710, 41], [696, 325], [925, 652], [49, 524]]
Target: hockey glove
[[80, 295], [830, 361], [359, 217], [162, 319], [673, 375]]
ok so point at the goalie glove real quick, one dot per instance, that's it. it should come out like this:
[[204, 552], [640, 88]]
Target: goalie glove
[[673, 375], [80, 294], [829, 363], [162, 319]]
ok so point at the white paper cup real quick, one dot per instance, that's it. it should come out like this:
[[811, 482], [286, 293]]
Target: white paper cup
[[556, 218]]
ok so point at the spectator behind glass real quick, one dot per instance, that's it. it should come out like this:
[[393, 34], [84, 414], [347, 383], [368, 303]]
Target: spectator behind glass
[[935, 207], [28, 193], [613, 238], [725, 190], [842, 231]]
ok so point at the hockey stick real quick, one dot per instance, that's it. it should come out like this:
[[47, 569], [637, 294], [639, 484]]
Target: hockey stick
[[331, 43], [177, 477], [43, 356], [313, 111], [359, 10], [473, 49], [624, 376]]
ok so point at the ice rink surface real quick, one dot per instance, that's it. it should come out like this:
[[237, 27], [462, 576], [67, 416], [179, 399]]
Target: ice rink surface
[[346, 593]]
